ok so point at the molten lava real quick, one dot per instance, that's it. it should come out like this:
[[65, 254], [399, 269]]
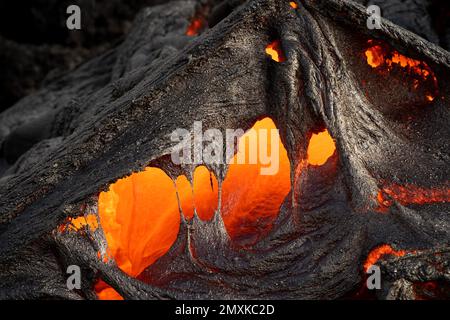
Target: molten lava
[[201, 197], [206, 193], [321, 147], [79, 223], [251, 201], [140, 214], [381, 58], [275, 52], [105, 292], [196, 25], [140, 218], [410, 194], [379, 252], [378, 56]]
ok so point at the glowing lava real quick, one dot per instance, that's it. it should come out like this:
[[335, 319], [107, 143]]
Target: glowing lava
[[79, 223], [293, 5], [140, 218], [105, 292], [411, 194], [380, 57], [321, 147], [195, 27], [140, 214], [379, 252], [377, 56], [251, 201], [275, 52]]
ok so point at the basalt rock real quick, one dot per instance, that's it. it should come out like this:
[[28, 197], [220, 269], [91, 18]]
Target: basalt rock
[[387, 182]]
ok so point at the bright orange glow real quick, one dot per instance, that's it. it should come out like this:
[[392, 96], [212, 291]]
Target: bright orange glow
[[411, 194], [105, 292], [380, 251], [321, 147], [377, 56], [140, 218], [195, 27], [140, 213], [202, 197], [186, 196], [251, 201], [76, 224], [275, 52], [206, 193], [380, 57], [293, 4]]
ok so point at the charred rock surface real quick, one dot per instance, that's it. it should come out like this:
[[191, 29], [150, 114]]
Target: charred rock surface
[[113, 116], [36, 47]]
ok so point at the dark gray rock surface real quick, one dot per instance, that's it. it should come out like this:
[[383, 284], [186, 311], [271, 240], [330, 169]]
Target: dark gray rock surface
[[113, 115]]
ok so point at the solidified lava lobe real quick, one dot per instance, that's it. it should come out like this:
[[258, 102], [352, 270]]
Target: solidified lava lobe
[[140, 214]]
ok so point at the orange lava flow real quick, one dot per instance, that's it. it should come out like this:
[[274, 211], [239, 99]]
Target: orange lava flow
[[195, 27], [380, 251], [140, 214], [140, 218], [411, 194], [105, 292], [380, 57], [201, 197], [275, 52], [321, 147], [76, 224], [250, 200], [377, 56]]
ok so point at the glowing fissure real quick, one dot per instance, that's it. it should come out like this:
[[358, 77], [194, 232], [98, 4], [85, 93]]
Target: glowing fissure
[[79, 223], [380, 57], [380, 251], [275, 52], [410, 194], [196, 25]]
